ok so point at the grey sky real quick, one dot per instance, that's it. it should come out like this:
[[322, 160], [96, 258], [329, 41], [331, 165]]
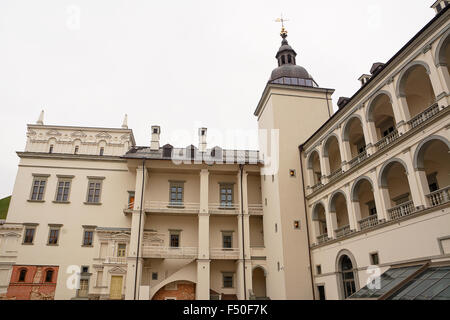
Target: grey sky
[[179, 64]]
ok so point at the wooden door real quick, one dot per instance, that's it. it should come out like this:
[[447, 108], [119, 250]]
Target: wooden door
[[116, 288]]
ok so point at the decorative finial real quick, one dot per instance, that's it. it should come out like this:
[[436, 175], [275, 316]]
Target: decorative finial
[[283, 32], [41, 118], [125, 122]]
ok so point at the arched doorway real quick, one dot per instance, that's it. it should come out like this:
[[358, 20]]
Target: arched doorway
[[259, 282]]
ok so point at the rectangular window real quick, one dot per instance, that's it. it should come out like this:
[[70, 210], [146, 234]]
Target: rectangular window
[[319, 269], [175, 240], [62, 191], [88, 236], [53, 236], [154, 275], [227, 240], [228, 280], [38, 189], [94, 190], [131, 199], [226, 195], [121, 250], [374, 259], [99, 278], [29, 235], [176, 193]]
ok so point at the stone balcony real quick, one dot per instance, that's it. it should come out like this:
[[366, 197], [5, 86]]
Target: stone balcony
[[169, 252], [224, 253]]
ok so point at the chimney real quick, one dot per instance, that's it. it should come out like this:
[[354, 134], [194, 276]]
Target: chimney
[[439, 5], [364, 78], [156, 130], [376, 67], [202, 139], [342, 102]]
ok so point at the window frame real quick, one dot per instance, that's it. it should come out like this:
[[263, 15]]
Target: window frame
[[227, 234], [63, 179], [177, 185], [29, 227], [175, 233], [41, 178], [19, 279], [58, 235], [47, 271], [227, 274], [85, 230], [121, 253], [95, 181], [228, 203]]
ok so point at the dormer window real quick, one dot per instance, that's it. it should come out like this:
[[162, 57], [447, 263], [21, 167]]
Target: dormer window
[[289, 59], [155, 130], [283, 60]]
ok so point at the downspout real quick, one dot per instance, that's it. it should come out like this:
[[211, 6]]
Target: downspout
[[328, 105], [139, 231], [241, 168], [300, 148]]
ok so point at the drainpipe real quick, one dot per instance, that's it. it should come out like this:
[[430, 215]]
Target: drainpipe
[[300, 148], [241, 169], [139, 231]]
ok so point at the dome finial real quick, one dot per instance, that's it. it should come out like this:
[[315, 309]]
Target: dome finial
[[283, 32]]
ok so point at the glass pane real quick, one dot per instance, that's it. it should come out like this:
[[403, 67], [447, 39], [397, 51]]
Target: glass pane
[[434, 290], [444, 295]]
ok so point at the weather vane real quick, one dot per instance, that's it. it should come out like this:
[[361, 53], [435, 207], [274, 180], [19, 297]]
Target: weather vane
[[283, 32]]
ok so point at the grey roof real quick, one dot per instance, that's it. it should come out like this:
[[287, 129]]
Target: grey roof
[[214, 155], [290, 71]]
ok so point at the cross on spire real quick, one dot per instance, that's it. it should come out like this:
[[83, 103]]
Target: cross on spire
[[283, 32]]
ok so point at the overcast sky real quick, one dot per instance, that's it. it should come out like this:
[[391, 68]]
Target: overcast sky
[[179, 64]]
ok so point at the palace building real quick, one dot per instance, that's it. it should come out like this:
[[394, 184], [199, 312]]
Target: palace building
[[352, 204]]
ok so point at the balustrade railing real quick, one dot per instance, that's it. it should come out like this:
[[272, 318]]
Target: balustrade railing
[[163, 206], [342, 231], [404, 209], [224, 253], [317, 186], [224, 208], [439, 197], [322, 238], [424, 116], [368, 222], [116, 260], [169, 252], [391, 137], [359, 158], [335, 174]]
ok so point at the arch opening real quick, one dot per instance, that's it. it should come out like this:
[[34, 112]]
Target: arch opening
[[259, 283], [338, 205], [354, 136], [382, 115], [314, 167], [394, 180], [333, 153]]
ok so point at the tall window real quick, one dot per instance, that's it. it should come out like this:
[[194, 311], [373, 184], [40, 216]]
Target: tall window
[[53, 236], [131, 195], [37, 192], [22, 275], [62, 192], [348, 276], [227, 240], [29, 235], [77, 148], [94, 190], [121, 250], [50, 150], [49, 275], [88, 236], [102, 151], [176, 193], [226, 195], [174, 239]]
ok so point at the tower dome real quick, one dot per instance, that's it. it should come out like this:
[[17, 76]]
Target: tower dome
[[288, 72]]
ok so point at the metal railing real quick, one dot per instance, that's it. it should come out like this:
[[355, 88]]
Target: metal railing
[[115, 260], [404, 209], [222, 208], [424, 116], [169, 252], [255, 209], [342, 231], [359, 158], [439, 197], [391, 137], [174, 207], [369, 222], [322, 238], [224, 253]]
